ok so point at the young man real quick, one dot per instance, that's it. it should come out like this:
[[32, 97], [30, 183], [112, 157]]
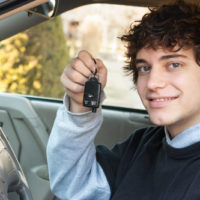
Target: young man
[[156, 163]]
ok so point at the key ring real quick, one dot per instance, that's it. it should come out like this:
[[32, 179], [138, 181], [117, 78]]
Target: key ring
[[95, 65]]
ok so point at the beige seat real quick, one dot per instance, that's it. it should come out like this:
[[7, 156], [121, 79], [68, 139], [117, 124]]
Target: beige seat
[[28, 137]]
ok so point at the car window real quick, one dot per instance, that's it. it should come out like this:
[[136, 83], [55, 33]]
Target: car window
[[32, 61], [97, 28]]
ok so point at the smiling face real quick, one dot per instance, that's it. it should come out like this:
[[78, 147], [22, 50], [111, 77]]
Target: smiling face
[[169, 86]]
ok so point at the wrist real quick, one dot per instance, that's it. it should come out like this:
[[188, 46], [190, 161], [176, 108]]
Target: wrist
[[77, 108]]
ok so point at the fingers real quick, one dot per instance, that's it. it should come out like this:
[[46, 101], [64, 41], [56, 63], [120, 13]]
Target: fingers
[[102, 72], [87, 59], [79, 76], [71, 85], [77, 73], [79, 66], [79, 70]]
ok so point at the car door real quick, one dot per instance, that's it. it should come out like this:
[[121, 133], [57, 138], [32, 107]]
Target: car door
[[27, 111]]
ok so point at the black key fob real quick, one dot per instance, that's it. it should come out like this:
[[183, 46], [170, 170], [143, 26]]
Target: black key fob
[[92, 93]]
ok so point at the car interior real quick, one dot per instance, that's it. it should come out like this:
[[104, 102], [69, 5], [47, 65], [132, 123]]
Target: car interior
[[26, 121]]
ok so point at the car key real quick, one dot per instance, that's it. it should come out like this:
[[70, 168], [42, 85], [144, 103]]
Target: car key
[[92, 91]]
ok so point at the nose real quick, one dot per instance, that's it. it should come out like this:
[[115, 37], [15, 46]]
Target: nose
[[157, 79]]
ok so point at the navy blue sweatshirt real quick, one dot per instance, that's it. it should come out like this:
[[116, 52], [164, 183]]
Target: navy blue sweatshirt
[[145, 167]]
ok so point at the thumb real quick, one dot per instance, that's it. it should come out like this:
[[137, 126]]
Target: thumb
[[102, 72]]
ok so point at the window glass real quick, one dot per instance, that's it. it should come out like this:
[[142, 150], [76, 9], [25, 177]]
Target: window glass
[[96, 28], [31, 62]]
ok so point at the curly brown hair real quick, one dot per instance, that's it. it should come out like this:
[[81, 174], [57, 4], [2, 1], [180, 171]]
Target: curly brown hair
[[169, 26]]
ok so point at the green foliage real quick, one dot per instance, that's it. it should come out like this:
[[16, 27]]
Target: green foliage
[[32, 62]]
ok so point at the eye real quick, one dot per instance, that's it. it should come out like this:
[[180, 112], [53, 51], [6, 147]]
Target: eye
[[143, 69], [174, 65]]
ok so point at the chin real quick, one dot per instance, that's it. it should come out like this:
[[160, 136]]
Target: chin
[[159, 120], [161, 117]]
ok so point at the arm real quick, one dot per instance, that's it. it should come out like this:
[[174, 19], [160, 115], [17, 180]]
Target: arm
[[74, 172]]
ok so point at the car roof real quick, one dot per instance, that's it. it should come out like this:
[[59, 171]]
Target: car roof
[[22, 20]]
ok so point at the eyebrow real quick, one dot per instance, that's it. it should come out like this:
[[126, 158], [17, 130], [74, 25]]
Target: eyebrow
[[172, 56], [165, 57], [140, 61]]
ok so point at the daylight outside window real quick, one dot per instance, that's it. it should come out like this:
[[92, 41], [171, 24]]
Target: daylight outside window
[[27, 58]]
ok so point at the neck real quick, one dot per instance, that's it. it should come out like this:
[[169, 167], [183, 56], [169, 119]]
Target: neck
[[175, 130]]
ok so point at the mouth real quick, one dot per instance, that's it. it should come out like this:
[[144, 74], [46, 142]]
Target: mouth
[[159, 102], [162, 99]]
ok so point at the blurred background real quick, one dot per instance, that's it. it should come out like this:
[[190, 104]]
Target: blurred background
[[31, 62]]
